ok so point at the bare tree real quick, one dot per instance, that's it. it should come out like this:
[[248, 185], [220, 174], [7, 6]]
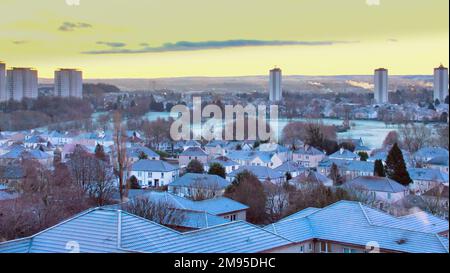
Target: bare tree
[[313, 194], [101, 188], [157, 131], [120, 160], [437, 203], [277, 199], [46, 198], [443, 138], [391, 138], [414, 136], [201, 190], [360, 194], [160, 212]]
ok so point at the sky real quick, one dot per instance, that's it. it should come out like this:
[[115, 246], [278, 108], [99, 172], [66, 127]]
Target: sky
[[176, 38]]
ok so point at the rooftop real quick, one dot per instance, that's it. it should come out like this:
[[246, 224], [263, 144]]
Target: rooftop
[[356, 224]]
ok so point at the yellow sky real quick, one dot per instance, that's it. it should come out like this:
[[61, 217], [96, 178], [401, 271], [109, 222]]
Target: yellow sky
[[325, 37]]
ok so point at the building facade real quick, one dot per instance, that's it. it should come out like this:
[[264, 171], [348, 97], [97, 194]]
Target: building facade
[[3, 96], [440, 83], [21, 83], [68, 83], [381, 86], [275, 91]]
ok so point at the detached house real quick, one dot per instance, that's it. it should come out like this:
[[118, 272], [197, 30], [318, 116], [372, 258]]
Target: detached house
[[34, 142], [190, 154], [153, 173], [193, 185], [264, 174], [216, 148], [350, 169], [134, 152], [309, 178], [256, 158], [227, 163], [344, 154], [57, 138], [11, 175], [381, 190], [291, 167], [426, 179], [439, 163], [308, 156], [428, 153]]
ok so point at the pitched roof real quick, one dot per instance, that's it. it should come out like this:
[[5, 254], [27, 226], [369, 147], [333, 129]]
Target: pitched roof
[[103, 230], [312, 176], [251, 155], [224, 161], [439, 160], [153, 166], [344, 153], [11, 172], [431, 152], [194, 151], [308, 150], [375, 183], [215, 206], [14, 153], [349, 165], [261, 172], [272, 147], [135, 151], [428, 175], [197, 180], [353, 223], [215, 143], [290, 166]]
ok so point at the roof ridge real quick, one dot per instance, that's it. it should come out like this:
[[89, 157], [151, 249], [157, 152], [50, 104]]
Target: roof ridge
[[365, 214], [442, 243], [119, 228], [147, 220], [174, 197], [206, 219], [300, 217], [274, 228]]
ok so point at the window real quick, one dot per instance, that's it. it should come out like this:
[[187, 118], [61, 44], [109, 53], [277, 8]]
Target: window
[[389, 195], [149, 174], [302, 249], [349, 250], [325, 247], [233, 217], [162, 175]]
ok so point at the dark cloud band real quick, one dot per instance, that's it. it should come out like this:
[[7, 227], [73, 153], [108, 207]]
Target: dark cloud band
[[69, 26], [189, 46]]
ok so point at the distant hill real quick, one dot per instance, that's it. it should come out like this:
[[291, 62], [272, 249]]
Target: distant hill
[[95, 88], [295, 83]]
